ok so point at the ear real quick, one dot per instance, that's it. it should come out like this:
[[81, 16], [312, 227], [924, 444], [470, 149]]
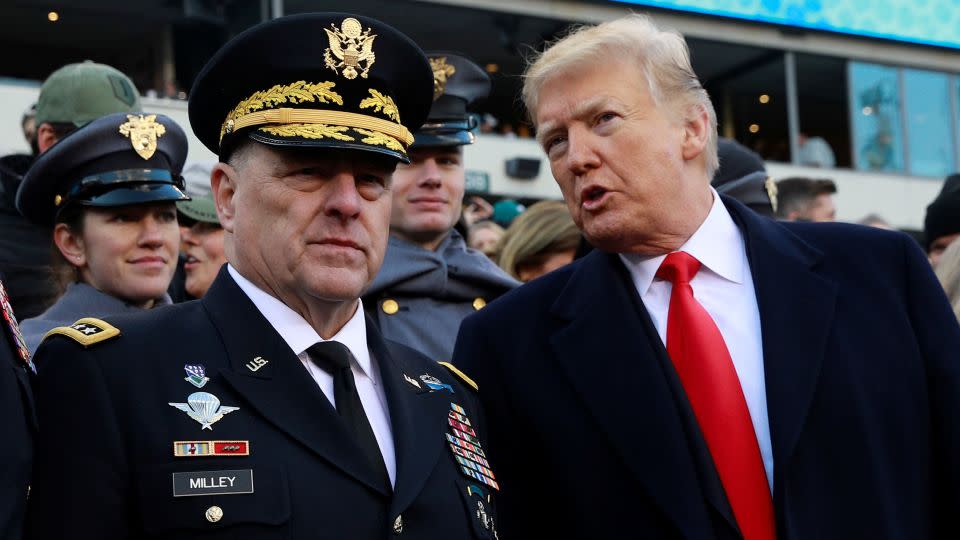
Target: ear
[[223, 183], [46, 137], [696, 132], [70, 244]]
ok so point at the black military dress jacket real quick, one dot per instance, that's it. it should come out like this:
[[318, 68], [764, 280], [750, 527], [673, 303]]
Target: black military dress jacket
[[281, 465], [18, 424]]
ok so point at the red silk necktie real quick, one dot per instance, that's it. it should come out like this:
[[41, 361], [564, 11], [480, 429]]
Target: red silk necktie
[[703, 363]]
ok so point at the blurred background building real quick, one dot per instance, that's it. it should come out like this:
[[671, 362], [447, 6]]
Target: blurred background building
[[864, 92]]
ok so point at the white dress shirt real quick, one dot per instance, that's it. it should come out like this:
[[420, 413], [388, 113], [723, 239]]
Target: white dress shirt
[[299, 335], [724, 287]]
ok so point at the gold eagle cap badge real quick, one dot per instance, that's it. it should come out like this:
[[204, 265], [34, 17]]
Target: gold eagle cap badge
[[442, 71], [351, 49], [143, 132]]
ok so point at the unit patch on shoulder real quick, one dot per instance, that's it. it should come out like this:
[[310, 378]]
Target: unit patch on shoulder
[[86, 331], [460, 375]]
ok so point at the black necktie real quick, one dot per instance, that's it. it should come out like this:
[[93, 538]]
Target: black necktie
[[334, 358]]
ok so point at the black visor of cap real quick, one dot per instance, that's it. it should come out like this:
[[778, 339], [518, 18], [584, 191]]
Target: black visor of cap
[[140, 193]]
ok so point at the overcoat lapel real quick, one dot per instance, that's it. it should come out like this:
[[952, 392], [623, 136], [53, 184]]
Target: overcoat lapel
[[610, 357], [281, 390], [796, 313], [418, 419]]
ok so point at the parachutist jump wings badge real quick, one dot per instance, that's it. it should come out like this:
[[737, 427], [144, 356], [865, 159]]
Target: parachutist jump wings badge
[[204, 408]]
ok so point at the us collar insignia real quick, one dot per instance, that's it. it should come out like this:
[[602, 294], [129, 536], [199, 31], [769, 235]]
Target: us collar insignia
[[434, 384], [771, 188], [196, 375], [204, 408], [351, 49], [257, 363], [465, 446], [22, 351], [143, 132], [442, 71]]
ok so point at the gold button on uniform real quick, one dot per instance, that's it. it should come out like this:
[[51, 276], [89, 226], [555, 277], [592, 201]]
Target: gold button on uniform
[[390, 306], [398, 525], [214, 513], [478, 303]]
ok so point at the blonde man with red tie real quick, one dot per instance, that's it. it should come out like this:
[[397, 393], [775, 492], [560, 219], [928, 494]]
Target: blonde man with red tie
[[706, 373]]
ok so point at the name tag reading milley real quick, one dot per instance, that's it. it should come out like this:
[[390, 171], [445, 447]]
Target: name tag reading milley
[[190, 484]]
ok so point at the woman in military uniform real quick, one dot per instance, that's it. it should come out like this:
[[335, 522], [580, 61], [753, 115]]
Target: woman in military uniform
[[109, 192]]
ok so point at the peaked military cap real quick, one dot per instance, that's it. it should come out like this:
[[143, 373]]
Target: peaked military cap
[[457, 82], [116, 160], [317, 80], [742, 175]]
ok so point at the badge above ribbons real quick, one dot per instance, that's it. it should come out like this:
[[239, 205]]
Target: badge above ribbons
[[196, 375], [466, 449], [204, 408]]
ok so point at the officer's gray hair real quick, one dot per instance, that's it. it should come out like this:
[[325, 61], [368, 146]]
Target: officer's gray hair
[[662, 56]]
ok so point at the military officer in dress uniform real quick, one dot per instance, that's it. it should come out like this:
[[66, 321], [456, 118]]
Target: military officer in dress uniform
[[271, 408], [19, 423], [430, 280]]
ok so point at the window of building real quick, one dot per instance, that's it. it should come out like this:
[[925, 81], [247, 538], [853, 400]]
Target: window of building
[[748, 88], [955, 110], [927, 110], [875, 117], [823, 111]]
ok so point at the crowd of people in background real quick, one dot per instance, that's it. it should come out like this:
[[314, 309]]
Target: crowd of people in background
[[543, 240]]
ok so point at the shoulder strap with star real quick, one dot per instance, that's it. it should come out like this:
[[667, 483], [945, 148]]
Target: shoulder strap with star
[[460, 375], [87, 331]]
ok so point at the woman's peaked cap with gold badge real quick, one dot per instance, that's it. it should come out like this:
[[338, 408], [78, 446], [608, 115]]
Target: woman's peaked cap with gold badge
[[314, 80], [116, 160]]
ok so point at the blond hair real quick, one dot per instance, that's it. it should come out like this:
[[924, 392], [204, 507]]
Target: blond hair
[[663, 57], [545, 227], [948, 272]]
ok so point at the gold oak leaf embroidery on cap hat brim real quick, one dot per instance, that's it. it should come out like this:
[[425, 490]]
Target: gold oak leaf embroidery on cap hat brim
[[382, 104], [373, 137], [298, 92], [309, 131]]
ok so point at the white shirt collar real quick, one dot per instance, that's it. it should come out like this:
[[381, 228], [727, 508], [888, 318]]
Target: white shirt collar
[[717, 244], [297, 332]]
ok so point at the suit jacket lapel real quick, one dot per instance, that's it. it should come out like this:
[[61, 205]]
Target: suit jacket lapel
[[418, 420], [610, 357], [706, 470], [281, 390], [796, 312]]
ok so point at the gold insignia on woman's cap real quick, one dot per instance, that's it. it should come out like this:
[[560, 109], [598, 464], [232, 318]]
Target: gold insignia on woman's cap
[[351, 48], [143, 132]]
